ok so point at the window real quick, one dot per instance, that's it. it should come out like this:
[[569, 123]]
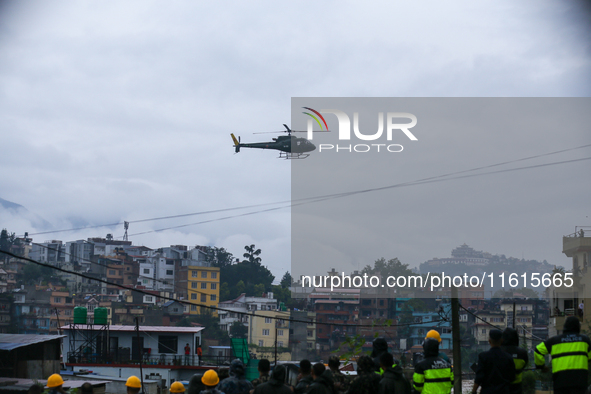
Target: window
[[310, 334], [193, 307], [212, 297], [203, 297], [280, 334], [169, 272], [193, 285], [279, 343], [194, 274], [144, 281], [168, 344], [261, 342], [265, 331], [57, 300], [204, 274], [169, 262], [310, 345], [148, 298], [111, 272], [204, 285], [267, 320], [146, 270], [484, 330], [214, 275], [193, 296], [214, 286]]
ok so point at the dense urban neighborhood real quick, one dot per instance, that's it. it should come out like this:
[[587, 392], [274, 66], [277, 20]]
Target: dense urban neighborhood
[[108, 302]]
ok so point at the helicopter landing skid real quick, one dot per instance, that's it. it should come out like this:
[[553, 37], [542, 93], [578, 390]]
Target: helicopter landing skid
[[291, 155]]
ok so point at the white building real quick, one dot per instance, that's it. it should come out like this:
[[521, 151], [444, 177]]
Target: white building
[[238, 308]]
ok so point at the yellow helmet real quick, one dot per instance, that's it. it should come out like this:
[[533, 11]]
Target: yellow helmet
[[55, 380], [433, 334], [210, 378], [134, 382], [177, 387]]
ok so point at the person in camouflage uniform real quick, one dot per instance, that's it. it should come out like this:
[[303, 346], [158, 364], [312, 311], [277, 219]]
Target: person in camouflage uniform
[[236, 383], [264, 368], [367, 381], [305, 378], [341, 381]]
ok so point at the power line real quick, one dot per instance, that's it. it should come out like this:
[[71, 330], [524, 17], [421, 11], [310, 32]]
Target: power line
[[337, 195]]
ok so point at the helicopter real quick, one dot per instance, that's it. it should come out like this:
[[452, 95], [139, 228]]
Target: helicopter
[[289, 147]]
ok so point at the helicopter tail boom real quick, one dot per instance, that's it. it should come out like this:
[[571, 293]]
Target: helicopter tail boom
[[236, 142]]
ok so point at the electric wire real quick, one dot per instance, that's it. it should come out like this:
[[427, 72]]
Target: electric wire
[[185, 302], [321, 198]]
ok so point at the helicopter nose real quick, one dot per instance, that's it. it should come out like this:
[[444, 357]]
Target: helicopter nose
[[312, 146]]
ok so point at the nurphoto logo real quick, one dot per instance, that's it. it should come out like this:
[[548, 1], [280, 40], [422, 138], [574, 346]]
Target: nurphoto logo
[[392, 125]]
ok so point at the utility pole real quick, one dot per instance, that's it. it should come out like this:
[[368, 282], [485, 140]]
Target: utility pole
[[455, 330], [514, 315], [141, 350], [276, 323]]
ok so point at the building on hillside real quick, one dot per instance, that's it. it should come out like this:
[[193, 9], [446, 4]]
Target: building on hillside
[[6, 312], [238, 309], [337, 314], [303, 335], [564, 299], [267, 330], [115, 351], [51, 252], [32, 310], [199, 283], [486, 321]]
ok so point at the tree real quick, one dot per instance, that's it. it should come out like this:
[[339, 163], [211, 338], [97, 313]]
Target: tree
[[211, 323], [286, 280], [238, 330], [219, 257], [392, 267], [252, 254]]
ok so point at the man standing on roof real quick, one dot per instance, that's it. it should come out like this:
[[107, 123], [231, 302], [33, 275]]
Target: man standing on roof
[[520, 357], [571, 352], [435, 335], [199, 353], [187, 354]]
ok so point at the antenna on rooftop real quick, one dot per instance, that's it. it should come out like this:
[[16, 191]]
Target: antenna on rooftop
[[125, 226]]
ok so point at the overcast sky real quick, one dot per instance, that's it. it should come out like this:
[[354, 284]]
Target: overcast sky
[[113, 111]]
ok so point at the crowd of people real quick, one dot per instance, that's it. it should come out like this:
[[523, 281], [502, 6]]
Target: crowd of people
[[499, 370]]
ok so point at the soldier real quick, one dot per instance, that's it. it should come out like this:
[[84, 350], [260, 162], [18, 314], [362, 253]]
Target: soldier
[[367, 381], [520, 357], [264, 368], [305, 378], [236, 383], [276, 384], [393, 380], [341, 381]]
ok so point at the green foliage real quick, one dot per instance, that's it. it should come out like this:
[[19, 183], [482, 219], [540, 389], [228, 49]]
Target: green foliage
[[219, 257], [258, 290], [286, 280], [212, 328], [238, 330], [224, 291], [243, 277], [33, 273], [352, 347], [392, 267]]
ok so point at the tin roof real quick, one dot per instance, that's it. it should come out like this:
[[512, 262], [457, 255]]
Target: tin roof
[[141, 328], [13, 341]]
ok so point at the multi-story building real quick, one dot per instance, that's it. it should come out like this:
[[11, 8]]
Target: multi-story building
[[267, 330], [52, 252], [237, 310], [202, 283]]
